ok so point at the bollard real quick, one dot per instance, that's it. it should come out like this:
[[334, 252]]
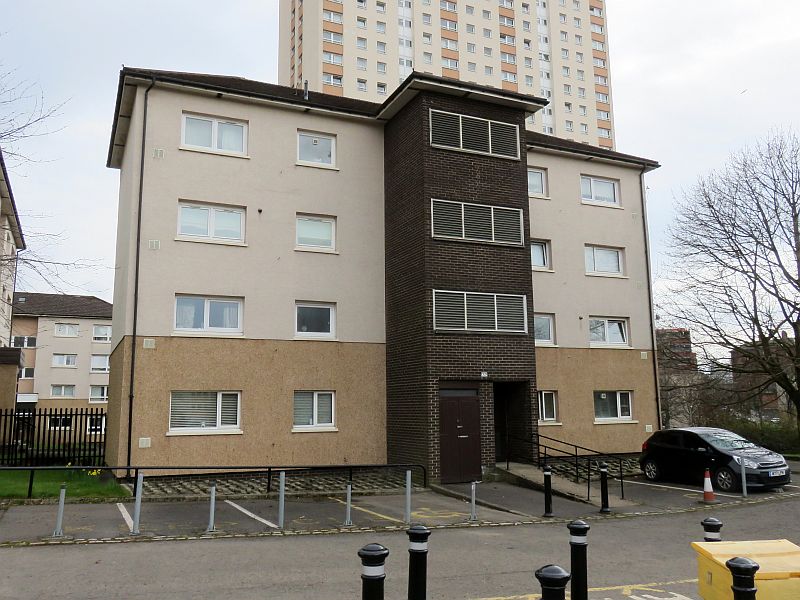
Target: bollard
[[137, 504], [711, 529], [408, 497], [548, 492], [604, 488], [281, 499], [744, 577], [373, 571], [578, 547], [59, 530], [744, 478], [473, 513], [348, 521], [418, 562], [212, 506], [553, 580]]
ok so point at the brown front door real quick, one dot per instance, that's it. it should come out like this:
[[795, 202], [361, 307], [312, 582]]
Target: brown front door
[[460, 439]]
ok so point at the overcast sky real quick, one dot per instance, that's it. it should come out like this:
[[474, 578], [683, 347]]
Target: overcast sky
[[692, 81]]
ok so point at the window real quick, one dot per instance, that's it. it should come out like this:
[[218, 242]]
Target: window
[[361, 64], [584, 128], [98, 393], [548, 409], [579, 57], [537, 182], [562, 18], [210, 222], [472, 134], [204, 411], [449, 44], [26, 373], [564, 53], [582, 110], [597, 28], [470, 10], [604, 133], [471, 66], [23, 341], [603, 260], [507, 3], [581, 92], [508, 76], [427, 57], [380, 7], [601, 97], [487, 14], [528, 62], [362, 85], [316, 149], [473, 311], [509, 58], [568, 107], [567, 89], [529, 80], [361, 3], [476, 222], [540, 255], [564, 36], [450, 63], [507, 21], [316, 232], [60, 422], [381, 47], [218, 135], [601, 79], [604, 330], [568, 125], [487, 33], [543, 330], [361, 22], [599, 62], [470, 48], [604, 115], [313, 410], [427, 38], [65, 360], [331, 79], [595, 11], [62, 391], [598, 45], [380, 27], [507, 39], [447, 5], [100, 363], [426, 19], [331, 58], [66, 330], [381, 67], [381, 88], [315, 320], [212, 315], [101, 333], [581, 75], [470, 28], [565, 71], [612, 405], [488, 70], [361, 43], [333, 17], [449, 25], [594, 189], [96, 424], [487, 51], [576, 22]]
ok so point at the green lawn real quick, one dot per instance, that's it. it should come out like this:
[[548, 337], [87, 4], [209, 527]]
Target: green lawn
[[46, 484]]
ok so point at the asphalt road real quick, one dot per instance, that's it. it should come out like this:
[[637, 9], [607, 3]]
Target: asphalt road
[[480, 562]]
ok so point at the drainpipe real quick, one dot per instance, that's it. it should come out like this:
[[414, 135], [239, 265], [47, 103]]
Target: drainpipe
[[650, 294], [136, 278]]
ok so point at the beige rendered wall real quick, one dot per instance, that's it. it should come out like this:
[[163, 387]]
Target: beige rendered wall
[[7, 275], [27, 326], [8, 385], [267, 372]]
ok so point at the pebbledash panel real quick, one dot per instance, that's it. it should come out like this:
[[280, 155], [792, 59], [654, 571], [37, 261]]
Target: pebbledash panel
[[460, 351]]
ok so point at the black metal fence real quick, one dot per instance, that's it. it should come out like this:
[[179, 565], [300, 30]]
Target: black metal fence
[[52, 436]]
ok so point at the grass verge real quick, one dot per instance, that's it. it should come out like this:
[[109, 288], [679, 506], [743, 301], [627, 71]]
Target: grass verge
[[46, 484]]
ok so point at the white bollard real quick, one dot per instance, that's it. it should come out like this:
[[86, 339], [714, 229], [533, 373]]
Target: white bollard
[[408, 497], [473, 514], [137, 505], [348, 521], [281, 499], [59, 530], [212, 508], [744, 478]]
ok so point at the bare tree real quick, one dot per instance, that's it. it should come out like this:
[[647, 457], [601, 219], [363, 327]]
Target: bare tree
[[736, 247]]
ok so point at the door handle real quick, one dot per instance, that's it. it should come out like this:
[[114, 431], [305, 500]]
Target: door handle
[[463, 436], [459, 427]]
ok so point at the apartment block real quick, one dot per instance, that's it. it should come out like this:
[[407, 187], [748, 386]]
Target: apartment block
[[305, 278], [365, 49], [11, 241], [66, 346]]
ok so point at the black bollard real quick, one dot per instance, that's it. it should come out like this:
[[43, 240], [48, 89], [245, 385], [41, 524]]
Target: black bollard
[[744, 577], [554, 582], [578, 547], [604, 488], [418, 562], [373, 571], [711, 529], [548, 492]]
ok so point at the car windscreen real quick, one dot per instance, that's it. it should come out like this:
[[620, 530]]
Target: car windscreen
[[726, 441]]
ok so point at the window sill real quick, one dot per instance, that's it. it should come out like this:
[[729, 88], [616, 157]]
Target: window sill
[[316, 250], [544, 344], [63, 367], [542, 270], [215, 152], [480, 332], [301, 163], [602, 204], [550, 424], [315, 338], [100, 372], [539, 197], [97, 401], [212, 334], [472, 241], [211, 241], [326, 429], [204, 432], [101, 341], [615, 422], [608, 275], [609, 346]]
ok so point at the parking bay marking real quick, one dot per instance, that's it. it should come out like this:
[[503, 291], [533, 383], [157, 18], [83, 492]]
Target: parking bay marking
[[251, 515], [369, 512], [625, 590], [127, 518], [671, 487]]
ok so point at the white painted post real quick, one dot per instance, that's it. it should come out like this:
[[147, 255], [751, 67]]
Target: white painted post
[[281, 499], [62, 494], [137, 505], [408, 497]]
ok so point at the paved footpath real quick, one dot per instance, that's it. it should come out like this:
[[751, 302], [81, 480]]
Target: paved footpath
[[639, 558]]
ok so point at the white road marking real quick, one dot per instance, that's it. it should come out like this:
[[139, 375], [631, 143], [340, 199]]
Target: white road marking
[[797, 487], [671, 487], [251, 515], [125, 515]]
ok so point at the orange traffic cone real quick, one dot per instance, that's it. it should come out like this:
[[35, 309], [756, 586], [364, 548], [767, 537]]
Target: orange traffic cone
[[708, 491]]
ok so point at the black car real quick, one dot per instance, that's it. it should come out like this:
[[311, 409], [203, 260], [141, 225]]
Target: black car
[[685, 453]]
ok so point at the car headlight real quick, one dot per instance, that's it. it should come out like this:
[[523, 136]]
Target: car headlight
[[749, 464]]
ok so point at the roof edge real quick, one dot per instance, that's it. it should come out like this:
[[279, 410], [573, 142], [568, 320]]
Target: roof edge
[[19, 238]]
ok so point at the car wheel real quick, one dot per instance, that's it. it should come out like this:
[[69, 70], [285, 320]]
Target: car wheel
[[725, 480], [651, 470]]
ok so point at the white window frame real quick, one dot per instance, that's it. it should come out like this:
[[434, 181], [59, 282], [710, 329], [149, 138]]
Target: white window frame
[[23, 372], [217, 429], [105, 369], [315, 335], [332, 16], [605, 343], [618, 418], [212, 215], [460, 132], [544, 193], [62, 419], [463, 236], [551, 341], [98, 399], [215, 122], [207, 329], [306, 163], [56, 330], [316, 426], [542, 413], [621, 260], [63, 387], [548, 266], [66, 364], [25, 341], [332, 58], [334, 79], [466, 324], [101, 339], [593, 200], [331, 35], [310, 248], [93, 430]]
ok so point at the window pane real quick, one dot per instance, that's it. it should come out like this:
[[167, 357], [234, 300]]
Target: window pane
[[316, 149], [624, 404], [539, 254], [324, 408], [230, 409], [314, 232], [227, 224], [102, 332], [189, 313], [194, 220], [597, 330], [588, 254], [535, 182], [541, 328], [223, 314], [606, 261], [586, 188], [99, 362], [193, 409], [547, 406], [605, 405], [197, 132], [313, 319], [604, 191], [616, 332], [230, 137], [303, 408]]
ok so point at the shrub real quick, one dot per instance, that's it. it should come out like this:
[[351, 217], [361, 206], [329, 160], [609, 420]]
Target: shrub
[[779, 437]]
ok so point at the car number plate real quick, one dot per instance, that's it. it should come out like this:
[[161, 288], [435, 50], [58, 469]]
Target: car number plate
[[778, 473]]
